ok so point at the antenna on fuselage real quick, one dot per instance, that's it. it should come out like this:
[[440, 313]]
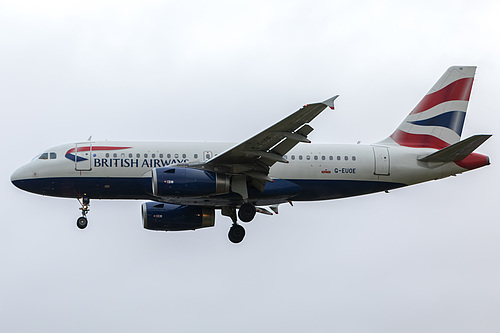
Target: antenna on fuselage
[[90, 138]]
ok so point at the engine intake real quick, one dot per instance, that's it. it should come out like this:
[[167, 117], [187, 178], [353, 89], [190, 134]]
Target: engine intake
[[187, 182], [169, 217]]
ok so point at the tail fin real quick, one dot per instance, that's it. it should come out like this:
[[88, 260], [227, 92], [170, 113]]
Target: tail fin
[[437, 121]]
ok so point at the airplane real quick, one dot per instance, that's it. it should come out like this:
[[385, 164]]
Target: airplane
[[185, 183]]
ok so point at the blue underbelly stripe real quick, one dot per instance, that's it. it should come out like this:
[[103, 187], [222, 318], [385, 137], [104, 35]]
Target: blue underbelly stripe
[[140, 188]]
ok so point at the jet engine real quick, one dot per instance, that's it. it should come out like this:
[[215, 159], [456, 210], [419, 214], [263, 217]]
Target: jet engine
[[170, 217], [186, 182]]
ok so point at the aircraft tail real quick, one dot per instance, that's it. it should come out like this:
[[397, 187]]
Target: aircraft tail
[[438, 119]]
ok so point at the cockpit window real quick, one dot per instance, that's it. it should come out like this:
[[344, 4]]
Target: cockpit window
[[46, 156]]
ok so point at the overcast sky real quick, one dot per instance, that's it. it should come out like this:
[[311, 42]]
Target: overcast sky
[[419, 259]]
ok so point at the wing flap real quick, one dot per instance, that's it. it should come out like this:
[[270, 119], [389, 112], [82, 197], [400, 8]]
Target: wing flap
[[272, 157], [294, 136]]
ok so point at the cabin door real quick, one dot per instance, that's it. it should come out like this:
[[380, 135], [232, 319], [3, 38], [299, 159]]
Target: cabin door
[[83, 156]]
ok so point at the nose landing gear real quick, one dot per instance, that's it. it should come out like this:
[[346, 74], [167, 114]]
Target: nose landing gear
[[82, 221]]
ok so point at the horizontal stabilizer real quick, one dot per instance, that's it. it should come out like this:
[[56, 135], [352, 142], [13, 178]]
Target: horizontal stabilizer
[[457, 151]]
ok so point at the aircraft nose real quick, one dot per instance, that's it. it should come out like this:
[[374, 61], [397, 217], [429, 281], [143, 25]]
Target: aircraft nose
[[18, 175]]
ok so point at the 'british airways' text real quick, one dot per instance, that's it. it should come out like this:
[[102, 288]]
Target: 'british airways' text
[[135, 163]]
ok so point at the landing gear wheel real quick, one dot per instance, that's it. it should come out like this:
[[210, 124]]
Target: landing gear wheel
[[247, 211], [236, 233], [82, 222]]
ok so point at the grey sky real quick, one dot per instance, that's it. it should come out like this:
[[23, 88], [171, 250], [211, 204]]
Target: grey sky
[[420, 259]]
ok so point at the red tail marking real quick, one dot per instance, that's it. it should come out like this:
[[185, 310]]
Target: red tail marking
[[474, 161], [456, 91], [418, 140]]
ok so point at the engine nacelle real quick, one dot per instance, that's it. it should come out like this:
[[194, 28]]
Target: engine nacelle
[[169, 217], [187, 182]]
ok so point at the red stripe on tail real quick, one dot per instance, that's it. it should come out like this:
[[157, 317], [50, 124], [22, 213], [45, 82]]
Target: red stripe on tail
[[418, 140], [456, 91]]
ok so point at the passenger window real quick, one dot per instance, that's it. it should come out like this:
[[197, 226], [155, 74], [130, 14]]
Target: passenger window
[[44, 156], [145, 155], [195, 156], [354, 158], [161, 155], [138, 155], [323, 157], [346, 158], [115, 155], [338, 158], [183, 155], [53, 156], [285, 157], [300, 157], [168, 155], [130, 155], [308, 157], [176, 155], [293, 157], [153, 155], [315, 157], [331, 158], [107, 154]]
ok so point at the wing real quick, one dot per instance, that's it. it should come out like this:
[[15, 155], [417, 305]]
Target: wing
[[255, 156]]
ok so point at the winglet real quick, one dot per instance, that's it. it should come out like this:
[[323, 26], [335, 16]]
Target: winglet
[[329, 102]]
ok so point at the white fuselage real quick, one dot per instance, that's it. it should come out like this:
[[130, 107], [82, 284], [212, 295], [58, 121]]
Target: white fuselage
[[122, 170]]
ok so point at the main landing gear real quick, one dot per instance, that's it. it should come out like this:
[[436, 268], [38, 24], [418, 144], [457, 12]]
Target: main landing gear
[[246, 213], [236, 233], [82, 221]]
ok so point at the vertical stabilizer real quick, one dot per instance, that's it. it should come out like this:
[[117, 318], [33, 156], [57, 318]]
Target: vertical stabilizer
[[438, 119]]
